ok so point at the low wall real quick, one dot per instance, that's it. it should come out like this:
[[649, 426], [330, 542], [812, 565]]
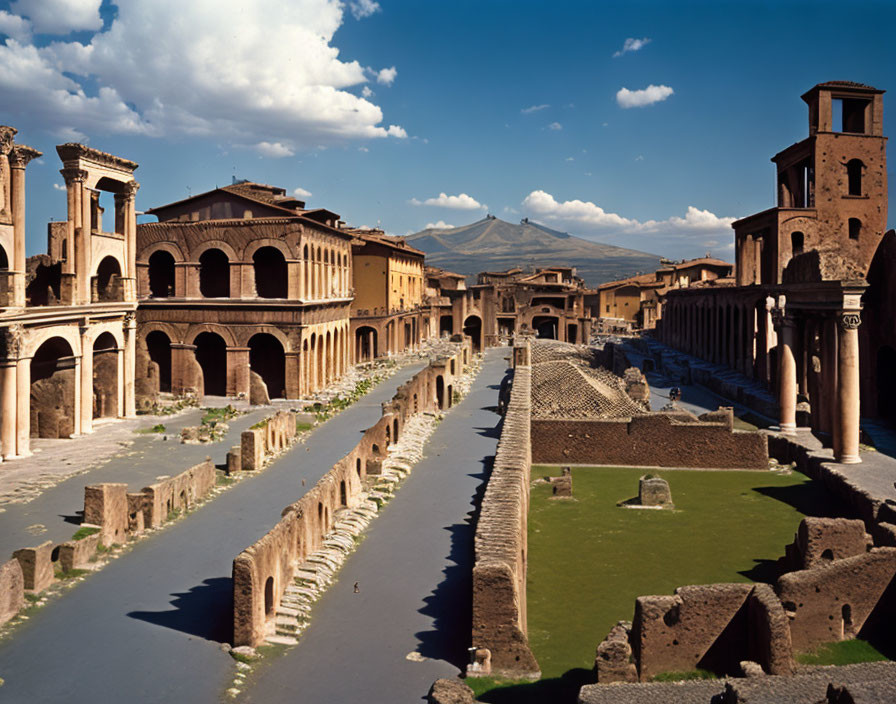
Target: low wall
[[12, 590], [499, 571], [267, 438], [177, 493], [262, 571], [819, 541], [655, 440], [834, 601]]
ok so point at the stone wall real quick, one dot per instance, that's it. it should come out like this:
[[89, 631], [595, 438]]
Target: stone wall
[[819, 541], [265, 439], [834, 601], [176, 493], [262, 571], [655, 440], [499, 571]]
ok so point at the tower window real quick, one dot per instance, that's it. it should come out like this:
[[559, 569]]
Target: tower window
[[848, 115], [855, 227], [854, 176], [797, 241]]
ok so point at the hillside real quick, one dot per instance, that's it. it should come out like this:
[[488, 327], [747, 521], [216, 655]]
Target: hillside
[[491, 244]]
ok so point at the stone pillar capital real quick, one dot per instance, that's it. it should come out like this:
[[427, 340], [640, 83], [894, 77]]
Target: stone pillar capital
[[7, 135], [849, 320], [72, 175], [129, 190], [129, 321], [13, 341], [20, 155]]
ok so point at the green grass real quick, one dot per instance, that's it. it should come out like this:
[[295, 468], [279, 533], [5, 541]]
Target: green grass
[[589, 559], [303, 427], [71, 574], [846, 652], [84, 532], [157, 428], [217, 415]]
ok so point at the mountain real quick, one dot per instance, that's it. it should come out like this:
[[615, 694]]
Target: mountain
[[491, 244]]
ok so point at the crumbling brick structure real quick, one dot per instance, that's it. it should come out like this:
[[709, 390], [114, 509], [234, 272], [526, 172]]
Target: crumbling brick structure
[[12, 589]]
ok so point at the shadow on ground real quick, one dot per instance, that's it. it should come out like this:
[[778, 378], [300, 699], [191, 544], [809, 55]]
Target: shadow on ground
[[556, 690], [205, 611], [810, 498]]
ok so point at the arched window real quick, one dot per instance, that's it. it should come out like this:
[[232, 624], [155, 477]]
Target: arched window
[[108, 281], [214, 274], [854, 176], [161, 274], [270, 273], [855, 228], [797, 242]]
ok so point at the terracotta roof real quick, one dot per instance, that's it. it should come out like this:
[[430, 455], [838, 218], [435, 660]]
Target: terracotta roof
[[375, 237]]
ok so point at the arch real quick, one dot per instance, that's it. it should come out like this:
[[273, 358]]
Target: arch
[[545, 326], [108, 281], [395, 429], [343, 495], [105, 376], [4, 260], [161, 274], [267, 358], [365, 343], [158, 345], [440, 391], [214, 273], [797, 242], [449, 395], [854, 169], [211, 355], [271, 277], [855, 228], [223, 331], [328, 358], [269, 596], [473, 328], [358, 467], [52, 392], [318, 370]]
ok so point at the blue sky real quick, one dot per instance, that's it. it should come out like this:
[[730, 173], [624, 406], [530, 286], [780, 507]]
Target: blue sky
[[377, 108]]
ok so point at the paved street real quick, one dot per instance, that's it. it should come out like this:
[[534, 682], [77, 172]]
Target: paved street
[[413, 569], [148, 627]]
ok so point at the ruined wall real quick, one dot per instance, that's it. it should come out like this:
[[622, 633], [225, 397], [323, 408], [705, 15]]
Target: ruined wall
[[176, 493], [265, 439], [833, 601], [262, 571], [52, 404], [819, 541], [499, 571], [12, 590], [656, 440]]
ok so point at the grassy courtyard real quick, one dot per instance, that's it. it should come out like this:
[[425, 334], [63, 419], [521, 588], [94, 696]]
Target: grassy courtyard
[[589, 559]]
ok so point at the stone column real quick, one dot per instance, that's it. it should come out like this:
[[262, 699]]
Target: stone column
[[7, 137], [786, 373], [8, 392], [829, 381], [86, 406], [82, 264], [293, 365], [19, 157], [848, 388], [23, 407], [129, 326]]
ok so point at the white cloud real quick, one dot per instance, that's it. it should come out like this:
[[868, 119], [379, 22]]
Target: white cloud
[[363, 8], [570, 158], [440, 225], [631, 44], [534, 108], [556, 126], [387, 76], [274, 150], [459, 202], [640, 98], [161, 78], [59, 187], [363, 149], [60, 16], [588, 218], [366, 92], [15, 27], [301, 193]]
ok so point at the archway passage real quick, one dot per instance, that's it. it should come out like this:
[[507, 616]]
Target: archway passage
[[271, 278], [269, 596], [214, 274], [268, 359], [446, 326], [108, 281], [545, 326], [886, 382], [211, 354], [572, 333], [440, 391], [473, 328], [161, 274], [365, 343], [159, 346], [4, 260], [53, 390], [105, 376]]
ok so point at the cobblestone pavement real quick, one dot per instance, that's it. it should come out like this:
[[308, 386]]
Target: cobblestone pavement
[[149, 626]]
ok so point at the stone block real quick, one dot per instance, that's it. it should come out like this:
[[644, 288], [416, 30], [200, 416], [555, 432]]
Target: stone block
[[76, 554], [448, 691], [106, 505], [252, 449], [233, 460], [613, 659], [480, 664], [37, 566], [12, 589], [258, 390], [654, 491]]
